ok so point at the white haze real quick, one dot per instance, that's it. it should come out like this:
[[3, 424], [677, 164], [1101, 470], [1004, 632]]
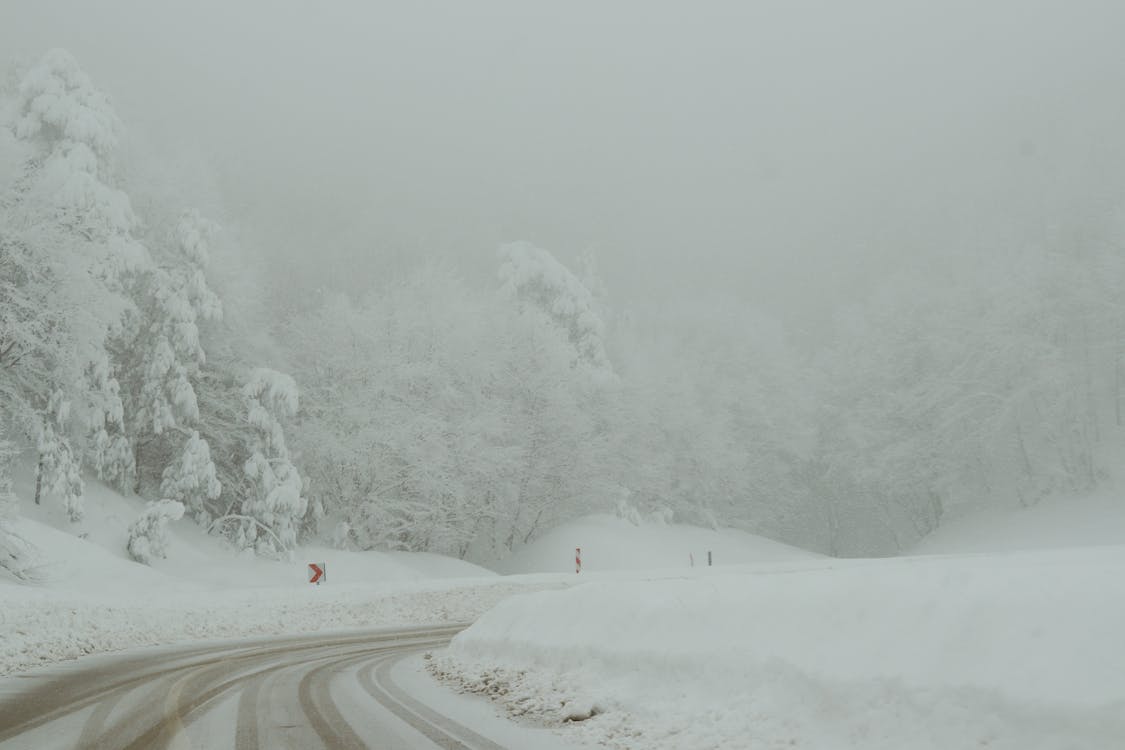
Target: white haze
[[857, 287], [787, 153]]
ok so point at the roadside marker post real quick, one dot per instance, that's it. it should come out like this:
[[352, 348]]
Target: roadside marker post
[[708, 558], [318, 572], [577, 560]]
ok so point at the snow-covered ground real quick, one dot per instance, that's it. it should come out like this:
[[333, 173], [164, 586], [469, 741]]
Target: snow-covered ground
[[96, 603], [1018, 650], [610, 543], [92, 598], [1002, 632]]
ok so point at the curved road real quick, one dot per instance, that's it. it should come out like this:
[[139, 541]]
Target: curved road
[[308, 692]]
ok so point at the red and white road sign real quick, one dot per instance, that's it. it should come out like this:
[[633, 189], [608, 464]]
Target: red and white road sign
[[316, 572], [577, 559]]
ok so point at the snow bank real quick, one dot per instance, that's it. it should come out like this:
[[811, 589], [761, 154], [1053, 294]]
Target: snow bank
[[610, 543], [1019, 652], [40, 627]]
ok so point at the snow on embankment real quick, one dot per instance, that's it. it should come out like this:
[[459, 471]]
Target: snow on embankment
[[1018, 652], [610, 543], [91, 598], [41, 627], [92, 601]]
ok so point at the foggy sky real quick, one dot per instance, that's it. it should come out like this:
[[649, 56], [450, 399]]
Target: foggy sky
[[786, 152]]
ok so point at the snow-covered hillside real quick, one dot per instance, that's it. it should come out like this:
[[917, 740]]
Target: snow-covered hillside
[[609, 543], [91, 554], [1091, 520], [772, 646], [1019, 652], [1001, 648], [90, 597]]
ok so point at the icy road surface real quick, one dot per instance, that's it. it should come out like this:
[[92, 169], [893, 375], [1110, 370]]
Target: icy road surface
[[339, 691]]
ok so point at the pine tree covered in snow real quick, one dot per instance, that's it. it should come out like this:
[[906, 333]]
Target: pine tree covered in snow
[[166, 354], [191, 479], [148, 535], [75, 133], [275, 505], [69, 239], [178, 300]]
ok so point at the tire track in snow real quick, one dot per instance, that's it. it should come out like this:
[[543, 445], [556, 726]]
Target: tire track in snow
[[154, 700]]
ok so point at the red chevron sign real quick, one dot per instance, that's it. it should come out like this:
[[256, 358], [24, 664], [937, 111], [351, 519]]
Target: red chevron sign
[[316, 572]]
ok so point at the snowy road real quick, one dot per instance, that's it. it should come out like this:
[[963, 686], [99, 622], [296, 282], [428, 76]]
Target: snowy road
[[309, 692]]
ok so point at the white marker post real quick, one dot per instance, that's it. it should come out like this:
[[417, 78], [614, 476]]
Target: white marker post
[[577, 560]]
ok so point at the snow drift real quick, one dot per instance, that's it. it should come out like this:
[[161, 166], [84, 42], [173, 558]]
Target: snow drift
[[1017, 652]]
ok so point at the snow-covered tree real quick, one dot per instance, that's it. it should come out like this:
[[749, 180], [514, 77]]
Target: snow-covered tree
[[69, 237], [109, 451], [539, 283], [398, 433], [992, 378], [59, 471], [178, 300], [148, 534], [192, 478], [75, 132], [230, 342], [275, 504], [711, 420], [166, 354], [71, 178], [17, 555]]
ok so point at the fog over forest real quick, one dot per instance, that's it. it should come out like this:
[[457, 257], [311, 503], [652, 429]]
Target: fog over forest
[[783, 152], [438, 276]]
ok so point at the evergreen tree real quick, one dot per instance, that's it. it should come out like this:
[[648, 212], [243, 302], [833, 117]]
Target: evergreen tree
[[166, 355], [71, 235], [275, 505], [192, 479]]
